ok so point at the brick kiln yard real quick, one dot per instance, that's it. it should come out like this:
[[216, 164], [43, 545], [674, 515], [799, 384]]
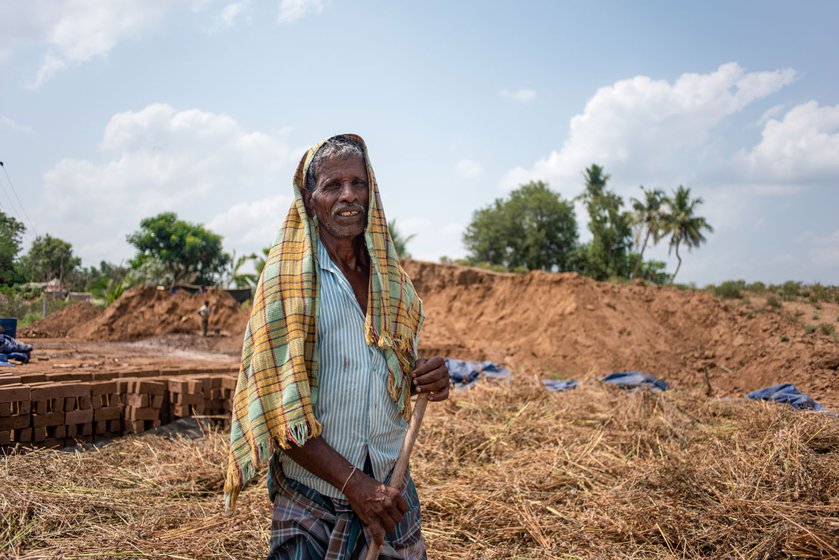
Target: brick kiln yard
[[504, 470]]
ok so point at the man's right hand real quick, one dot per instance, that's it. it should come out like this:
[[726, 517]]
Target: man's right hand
[[379, 507]]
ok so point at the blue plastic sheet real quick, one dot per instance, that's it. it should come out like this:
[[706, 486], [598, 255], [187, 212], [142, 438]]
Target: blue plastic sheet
[[786, 393], [4, 361], [466, 373], [15, 349], [634, 380], [556, 385]]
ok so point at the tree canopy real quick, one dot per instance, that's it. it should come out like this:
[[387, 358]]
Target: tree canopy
[[681, 223], [49, 258], [186, 252], [11, 231], [608, 252], [534, 229]]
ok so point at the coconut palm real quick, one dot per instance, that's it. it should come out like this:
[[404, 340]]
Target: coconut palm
[[682, 225], [234, 276], [648, 220], [400, 241]]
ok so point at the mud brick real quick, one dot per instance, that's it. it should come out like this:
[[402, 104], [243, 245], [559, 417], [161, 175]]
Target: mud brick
[[106, 413], [229, 383], [136, 400], [5, 437], [178, 385], [14, 393], [9, 380], [24, 435], [142, 413], [187, 399], [181, 410], [135, 426], [115, 426], [29, 378], [81, 429], [41, 433], [157, 401], [100, 427], [78, 416], [10, 423], [47, 398], [103, 388], [17, 408], [62, 376], [148, 387], [103, 375], [47, 419]]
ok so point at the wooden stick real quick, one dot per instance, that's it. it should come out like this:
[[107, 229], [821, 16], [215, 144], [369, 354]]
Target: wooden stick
[[404, 455]]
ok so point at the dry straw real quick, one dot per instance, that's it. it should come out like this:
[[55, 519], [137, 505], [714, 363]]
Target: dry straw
[[504, 471]]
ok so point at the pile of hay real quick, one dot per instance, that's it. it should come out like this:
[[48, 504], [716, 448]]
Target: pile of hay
[[504, 470]]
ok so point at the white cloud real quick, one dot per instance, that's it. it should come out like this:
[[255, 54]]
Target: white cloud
[[158, 159], [232, 12], [635, 127], [252, 223], [292, 10], [467, 168], [75, 31], [522, 95], [801, 147], [14, 125]]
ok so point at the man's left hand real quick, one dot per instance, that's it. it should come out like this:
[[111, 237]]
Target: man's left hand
[[431, 377]]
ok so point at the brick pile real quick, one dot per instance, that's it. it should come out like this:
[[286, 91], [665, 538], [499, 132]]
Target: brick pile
[[37, 410]]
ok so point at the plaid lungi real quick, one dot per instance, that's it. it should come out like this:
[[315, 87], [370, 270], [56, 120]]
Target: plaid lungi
[[306, 525]]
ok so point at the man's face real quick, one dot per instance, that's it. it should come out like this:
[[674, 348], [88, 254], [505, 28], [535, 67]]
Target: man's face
[[340, 197]]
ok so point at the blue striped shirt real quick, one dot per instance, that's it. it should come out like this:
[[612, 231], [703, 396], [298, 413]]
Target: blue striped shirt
[[357, 414]]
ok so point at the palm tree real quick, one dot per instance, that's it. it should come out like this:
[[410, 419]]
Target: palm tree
[[682, 225], [647, 217], [259, 264], [400, 242], [234, 275]]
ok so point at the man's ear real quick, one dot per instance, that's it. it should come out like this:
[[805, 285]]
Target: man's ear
[[307, 200]]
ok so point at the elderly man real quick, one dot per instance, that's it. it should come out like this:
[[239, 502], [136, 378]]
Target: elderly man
[[328, 368]]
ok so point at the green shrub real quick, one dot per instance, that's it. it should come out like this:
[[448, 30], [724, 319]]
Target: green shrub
[[756, 287], [809, 329], [827, 328], [816, 317], [730, 289], [773, 302], [784, 338], [790, 290]]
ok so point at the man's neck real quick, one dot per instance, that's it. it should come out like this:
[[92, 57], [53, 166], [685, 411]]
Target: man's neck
[[348, 253]]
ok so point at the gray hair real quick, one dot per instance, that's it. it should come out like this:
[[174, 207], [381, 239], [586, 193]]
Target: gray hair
[[337, 147]]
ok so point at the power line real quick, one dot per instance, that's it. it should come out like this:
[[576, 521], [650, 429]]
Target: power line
[[22, 208]]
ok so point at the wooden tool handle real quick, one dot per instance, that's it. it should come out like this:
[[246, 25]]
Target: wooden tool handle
[[401, 466]]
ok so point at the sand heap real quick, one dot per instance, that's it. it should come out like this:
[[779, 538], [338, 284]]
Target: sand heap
[[60, 323], [144, 312], [570, 326]]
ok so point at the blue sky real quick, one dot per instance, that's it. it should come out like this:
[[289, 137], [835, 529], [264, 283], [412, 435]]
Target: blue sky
[[111, 111]]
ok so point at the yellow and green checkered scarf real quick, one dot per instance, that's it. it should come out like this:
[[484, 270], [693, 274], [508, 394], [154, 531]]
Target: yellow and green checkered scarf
[[278, 379]]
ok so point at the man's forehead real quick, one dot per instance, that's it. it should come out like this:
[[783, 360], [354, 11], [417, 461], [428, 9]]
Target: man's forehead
[[341, 165]]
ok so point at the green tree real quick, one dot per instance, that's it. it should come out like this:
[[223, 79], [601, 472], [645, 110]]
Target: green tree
[[534, 229], [108, 282], [259, 264], [49, 258], [608, 253], [681, 223], [400, 241], [648, 221], [11, 231], [187, 252], [233, 275]]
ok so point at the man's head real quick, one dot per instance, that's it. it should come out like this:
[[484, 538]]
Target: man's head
[[206, 302], [337, 188]]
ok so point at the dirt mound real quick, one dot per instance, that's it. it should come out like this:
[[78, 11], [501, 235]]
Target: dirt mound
[[144, 312], [62, 323], [569, 326]]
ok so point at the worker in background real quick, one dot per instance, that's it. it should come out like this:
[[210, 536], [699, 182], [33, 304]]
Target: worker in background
[[204, 311]]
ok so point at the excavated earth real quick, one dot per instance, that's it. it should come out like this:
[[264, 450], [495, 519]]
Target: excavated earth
[[543, 324]]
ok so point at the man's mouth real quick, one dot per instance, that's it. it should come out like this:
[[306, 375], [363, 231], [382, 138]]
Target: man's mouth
[[349, 213]]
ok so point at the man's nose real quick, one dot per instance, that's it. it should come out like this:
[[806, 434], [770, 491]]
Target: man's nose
[[348, 193]]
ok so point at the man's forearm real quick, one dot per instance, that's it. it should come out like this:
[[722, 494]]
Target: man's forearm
[[320, 459]]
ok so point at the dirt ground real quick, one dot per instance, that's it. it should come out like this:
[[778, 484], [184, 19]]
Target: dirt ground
[[553, 325]]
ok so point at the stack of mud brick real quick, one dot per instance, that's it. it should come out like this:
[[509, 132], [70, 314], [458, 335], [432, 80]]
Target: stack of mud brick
[[202, 395], [15, 414], [146, 404], [107, 410], [78, 413]]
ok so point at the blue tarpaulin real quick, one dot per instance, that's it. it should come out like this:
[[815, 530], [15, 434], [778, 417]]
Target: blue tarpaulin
[[786, 393], [634, 380], [14, 349], [556, 385], [466, 373]]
